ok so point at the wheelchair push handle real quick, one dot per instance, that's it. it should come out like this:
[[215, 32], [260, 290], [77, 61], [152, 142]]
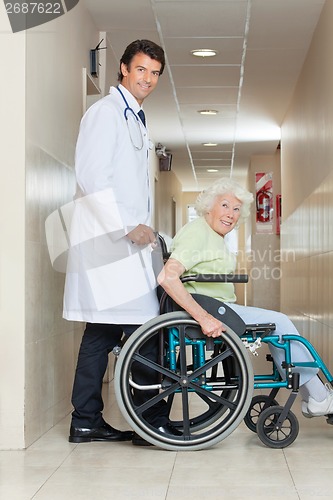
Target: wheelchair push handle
[[216, 278]]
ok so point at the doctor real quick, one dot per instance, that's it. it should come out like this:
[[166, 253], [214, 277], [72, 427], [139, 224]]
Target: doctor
[[110, 283]]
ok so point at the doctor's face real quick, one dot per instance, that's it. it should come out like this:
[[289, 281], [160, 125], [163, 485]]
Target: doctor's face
[[140, 77], [224, 214]]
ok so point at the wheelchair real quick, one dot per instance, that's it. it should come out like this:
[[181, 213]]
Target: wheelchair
[[208, 383]]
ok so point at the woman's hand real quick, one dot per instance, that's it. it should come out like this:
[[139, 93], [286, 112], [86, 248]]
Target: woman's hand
[[211, 326], [169, 280]]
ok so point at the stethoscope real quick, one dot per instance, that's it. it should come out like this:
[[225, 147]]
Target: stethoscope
[[134, 124]]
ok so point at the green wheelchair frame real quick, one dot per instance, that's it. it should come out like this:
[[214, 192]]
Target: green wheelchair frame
[[276, 425]]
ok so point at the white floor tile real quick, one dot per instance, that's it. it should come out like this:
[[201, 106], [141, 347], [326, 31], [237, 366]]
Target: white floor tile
[[239, 467]]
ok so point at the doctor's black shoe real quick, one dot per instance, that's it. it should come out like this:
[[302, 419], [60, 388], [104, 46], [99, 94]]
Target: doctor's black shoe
[[103, 433], [139, 441], [167, 429]]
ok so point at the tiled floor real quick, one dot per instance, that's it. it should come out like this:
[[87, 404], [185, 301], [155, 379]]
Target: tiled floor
[[240, 467]]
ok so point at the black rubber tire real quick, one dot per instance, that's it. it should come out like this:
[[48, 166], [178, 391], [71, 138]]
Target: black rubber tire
[[257, 405], [228, 407], [272, 436]]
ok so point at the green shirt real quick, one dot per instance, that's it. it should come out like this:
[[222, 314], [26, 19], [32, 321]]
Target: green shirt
[[202, 251]]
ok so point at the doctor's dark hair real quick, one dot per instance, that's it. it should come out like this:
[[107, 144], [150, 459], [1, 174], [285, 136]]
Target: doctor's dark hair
[[225, 185], [147, 47]]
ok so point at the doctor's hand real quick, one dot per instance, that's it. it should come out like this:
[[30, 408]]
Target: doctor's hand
[[142, 235]]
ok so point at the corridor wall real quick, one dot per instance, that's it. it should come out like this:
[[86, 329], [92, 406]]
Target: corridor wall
[[307, 195]]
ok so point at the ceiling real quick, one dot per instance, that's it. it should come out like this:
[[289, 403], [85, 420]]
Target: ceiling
[[261, 47]]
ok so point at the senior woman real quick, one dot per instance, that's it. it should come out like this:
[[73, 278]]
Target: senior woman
[[199, 248]]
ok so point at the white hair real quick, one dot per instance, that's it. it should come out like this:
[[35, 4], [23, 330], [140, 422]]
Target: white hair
[[206, 198]]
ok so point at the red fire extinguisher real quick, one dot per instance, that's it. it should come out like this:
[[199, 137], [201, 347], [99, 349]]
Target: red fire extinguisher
[[263, 206]]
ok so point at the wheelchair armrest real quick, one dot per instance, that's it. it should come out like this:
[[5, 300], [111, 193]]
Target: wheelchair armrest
[[216, 278], [220, 310]]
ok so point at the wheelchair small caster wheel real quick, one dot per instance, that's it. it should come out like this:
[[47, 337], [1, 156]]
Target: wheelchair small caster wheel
[[274, 435], [258, 404]]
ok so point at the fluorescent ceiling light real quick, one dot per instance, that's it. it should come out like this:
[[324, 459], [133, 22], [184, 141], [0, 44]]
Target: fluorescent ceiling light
[[212, 170], [208, 111], [204, 52], [209, 144]]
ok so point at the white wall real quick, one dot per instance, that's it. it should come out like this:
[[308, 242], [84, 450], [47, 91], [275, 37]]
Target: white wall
[[307, 190], [40, 118], [12, 210], [264, 266]]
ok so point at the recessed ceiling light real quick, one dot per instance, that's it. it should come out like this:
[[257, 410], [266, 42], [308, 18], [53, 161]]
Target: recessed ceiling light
[[208, 111], [209, 144], [212, 170], [204, 52]]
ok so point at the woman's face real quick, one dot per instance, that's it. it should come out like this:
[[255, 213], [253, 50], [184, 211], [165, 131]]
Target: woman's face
[[224, 214]]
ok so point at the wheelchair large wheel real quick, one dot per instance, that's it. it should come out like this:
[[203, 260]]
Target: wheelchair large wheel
[[206, 409], [258, 404], [274, 435]]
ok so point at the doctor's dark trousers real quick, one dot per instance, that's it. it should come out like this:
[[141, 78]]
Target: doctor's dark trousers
[[97, 342]]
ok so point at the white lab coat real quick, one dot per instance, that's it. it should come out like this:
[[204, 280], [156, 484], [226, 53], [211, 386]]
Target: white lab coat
[[109, 279]]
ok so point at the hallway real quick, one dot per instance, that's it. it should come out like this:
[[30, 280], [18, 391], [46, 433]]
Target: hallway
[[44, 95], [240, 467]]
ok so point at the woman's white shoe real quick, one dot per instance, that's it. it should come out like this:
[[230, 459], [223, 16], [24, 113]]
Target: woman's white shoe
[[320, 408]]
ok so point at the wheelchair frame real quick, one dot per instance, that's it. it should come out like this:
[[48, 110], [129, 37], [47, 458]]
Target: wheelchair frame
[[277, 426], [217, 372]]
